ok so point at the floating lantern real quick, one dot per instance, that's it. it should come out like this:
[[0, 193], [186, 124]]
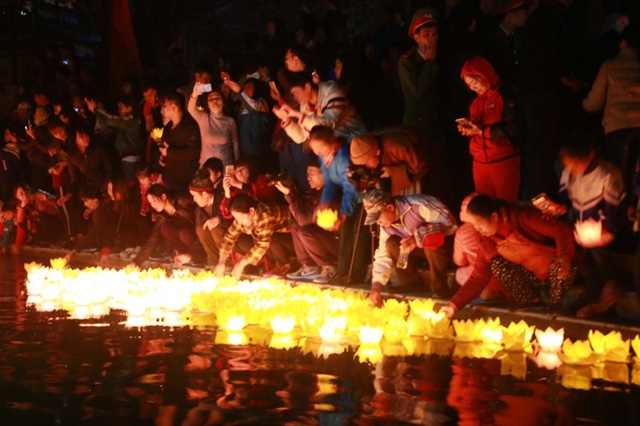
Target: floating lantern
[[576, 353], [439, 327], [333, 328], [395, 329], [330, 348], [609, 347], [467, 331], [156, 133], [369, 353], [614, 372], [438, 347], [490, 331], [234, 338], [58, 263], [327, 218], [550, 340], [588, 233], [517, 336]]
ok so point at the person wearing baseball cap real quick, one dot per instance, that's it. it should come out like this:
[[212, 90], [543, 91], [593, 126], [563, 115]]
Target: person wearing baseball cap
[[411, 226], [418, 71]]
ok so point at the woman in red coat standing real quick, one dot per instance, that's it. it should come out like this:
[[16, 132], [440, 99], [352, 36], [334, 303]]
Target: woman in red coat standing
[[491, 126]]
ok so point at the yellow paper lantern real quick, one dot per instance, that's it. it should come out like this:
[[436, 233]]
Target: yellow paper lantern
[[609, 347], [58, 263], [576, 353], [467, 331], [635, 343], [517, 336], [327, 218], [156, 133]]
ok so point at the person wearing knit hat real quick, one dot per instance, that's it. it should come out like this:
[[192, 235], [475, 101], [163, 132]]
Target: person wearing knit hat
[[210, 224], [394, 155], [418, 72]]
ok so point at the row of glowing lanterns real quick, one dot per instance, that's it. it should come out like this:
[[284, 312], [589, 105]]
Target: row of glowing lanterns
[[321, 321]]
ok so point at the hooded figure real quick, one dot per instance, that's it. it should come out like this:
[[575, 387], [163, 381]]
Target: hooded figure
[[493, 124]]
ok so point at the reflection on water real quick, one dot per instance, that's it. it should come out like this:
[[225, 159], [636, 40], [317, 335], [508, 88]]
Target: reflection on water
[[58, 371]]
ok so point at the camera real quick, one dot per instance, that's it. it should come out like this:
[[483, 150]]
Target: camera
[[284, 178]]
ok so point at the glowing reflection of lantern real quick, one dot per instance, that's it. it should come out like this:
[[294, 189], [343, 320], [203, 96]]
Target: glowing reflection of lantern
[[635, 374], [330, 348], [393, 349], [438, 347], [548, 360], [234, 338], [574, 377], [550, 340], [282, 341], [615, 372], [369, 353], [333, 328], [326, 218], [468, 350], [514, 364]]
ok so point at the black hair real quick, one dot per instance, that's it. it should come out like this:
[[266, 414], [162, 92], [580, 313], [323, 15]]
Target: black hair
[[313, 161], [215, 164], [482, 205], [157, 190], [301, 52], [321, 132], [242, 203], [202, 179], [578, 145], [92, 192], [176, 99], [299, 79]]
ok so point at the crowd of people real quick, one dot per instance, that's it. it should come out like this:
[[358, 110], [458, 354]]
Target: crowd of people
[[469, 167]]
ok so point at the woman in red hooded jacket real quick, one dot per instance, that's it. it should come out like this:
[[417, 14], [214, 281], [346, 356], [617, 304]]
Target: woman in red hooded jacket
[[492, 125]]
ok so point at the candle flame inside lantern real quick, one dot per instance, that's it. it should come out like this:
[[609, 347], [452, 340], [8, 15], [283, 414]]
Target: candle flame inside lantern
[[327, 218]]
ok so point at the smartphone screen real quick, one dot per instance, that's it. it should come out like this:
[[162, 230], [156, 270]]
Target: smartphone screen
[[464, 122], [230, 169], [204, 88]]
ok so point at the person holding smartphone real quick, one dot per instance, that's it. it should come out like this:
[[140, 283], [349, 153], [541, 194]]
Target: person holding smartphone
[[491, 127], [218, 132]]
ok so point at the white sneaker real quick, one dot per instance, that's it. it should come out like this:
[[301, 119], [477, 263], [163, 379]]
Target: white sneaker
[[328, 272], [305, 273]]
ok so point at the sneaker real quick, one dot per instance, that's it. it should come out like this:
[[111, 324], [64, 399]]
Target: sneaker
[[327, 273], [305, 273]]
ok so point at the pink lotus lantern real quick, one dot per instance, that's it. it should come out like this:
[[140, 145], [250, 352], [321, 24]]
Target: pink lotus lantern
[[550, 340]]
